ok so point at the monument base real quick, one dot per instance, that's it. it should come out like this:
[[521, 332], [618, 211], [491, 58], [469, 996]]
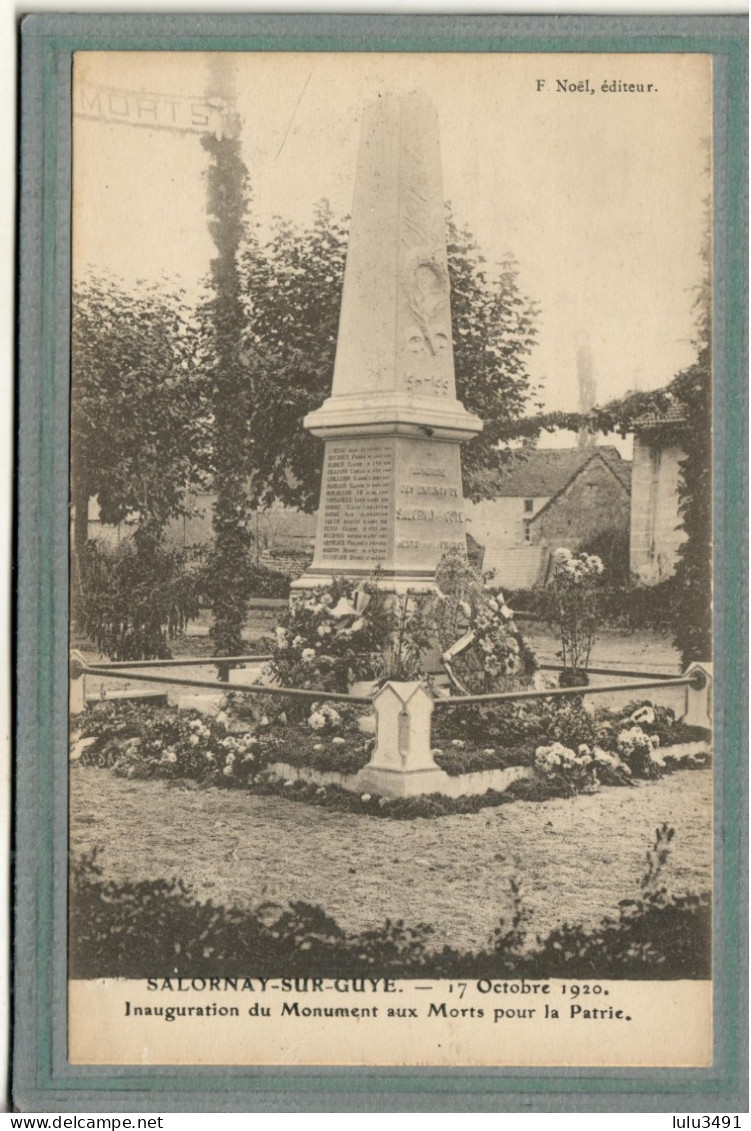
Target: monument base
[[402, 783], [398, 583]]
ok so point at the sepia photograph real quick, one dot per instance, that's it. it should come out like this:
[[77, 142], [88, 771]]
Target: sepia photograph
[[380, 465], [391, 559]]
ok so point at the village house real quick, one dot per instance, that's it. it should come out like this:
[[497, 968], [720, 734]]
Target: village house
[[550, 498]]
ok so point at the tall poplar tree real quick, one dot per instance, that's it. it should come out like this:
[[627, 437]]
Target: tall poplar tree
[[228, 195]]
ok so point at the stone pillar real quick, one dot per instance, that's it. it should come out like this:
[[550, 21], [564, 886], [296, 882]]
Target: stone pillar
[[402, 764], [699, 698], [391, 495]]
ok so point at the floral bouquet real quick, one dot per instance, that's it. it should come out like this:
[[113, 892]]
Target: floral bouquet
[[571, 609]]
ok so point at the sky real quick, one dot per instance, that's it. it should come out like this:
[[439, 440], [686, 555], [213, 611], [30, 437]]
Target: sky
[[600, 196]]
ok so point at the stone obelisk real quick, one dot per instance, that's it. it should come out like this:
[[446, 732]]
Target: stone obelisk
[[391, 495]]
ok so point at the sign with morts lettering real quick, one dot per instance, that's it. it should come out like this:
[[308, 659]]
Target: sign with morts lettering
[[374, 724]]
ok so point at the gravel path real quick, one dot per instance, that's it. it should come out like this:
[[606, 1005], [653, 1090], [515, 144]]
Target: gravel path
[[576, 857]]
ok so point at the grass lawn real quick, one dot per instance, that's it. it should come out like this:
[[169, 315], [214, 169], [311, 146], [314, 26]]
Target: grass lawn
[[576, 858]]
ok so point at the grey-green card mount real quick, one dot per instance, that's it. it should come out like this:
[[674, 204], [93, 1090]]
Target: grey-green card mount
[[381, 736]]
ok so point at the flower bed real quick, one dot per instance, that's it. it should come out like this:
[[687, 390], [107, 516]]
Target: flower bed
[[347, 751], [559, 750]]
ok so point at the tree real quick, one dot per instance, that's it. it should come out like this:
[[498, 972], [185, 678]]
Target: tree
[[138, 406], [138, 409], [494, 329], [692, 632], [692, 626], [294, 288], [139, 443], [294, 292], [229, 375]]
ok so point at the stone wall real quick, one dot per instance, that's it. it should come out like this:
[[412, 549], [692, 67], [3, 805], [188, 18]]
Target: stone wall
[[291, 562], [499, 523], [593, 502], [655, 520]]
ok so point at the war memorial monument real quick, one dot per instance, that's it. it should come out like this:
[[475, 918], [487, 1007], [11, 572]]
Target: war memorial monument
[[391, 495]]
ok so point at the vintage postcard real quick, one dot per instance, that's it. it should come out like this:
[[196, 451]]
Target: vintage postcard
[[398, 398]]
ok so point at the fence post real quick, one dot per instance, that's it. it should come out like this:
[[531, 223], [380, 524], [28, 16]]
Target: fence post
[[402, 764], [77, 696], [699, 697]]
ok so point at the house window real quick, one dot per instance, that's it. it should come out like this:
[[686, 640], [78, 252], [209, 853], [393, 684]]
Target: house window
[[529, 506], [527, 531]]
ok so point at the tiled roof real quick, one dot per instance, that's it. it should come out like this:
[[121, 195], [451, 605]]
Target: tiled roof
[[621, 468], [543, 472], [673, 414]]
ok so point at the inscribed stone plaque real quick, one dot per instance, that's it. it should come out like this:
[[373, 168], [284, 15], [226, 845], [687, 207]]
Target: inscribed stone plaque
[[353, 525]]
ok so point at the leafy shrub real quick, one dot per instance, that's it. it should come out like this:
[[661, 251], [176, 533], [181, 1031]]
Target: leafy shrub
[[657, 935], [461, 756], [612, 547], [267, 583], [510, 725], [571, 609], [137, 597], [155, 928], [692, 618], [625, 605], [338, 745], [635, 606], [372, 805]]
